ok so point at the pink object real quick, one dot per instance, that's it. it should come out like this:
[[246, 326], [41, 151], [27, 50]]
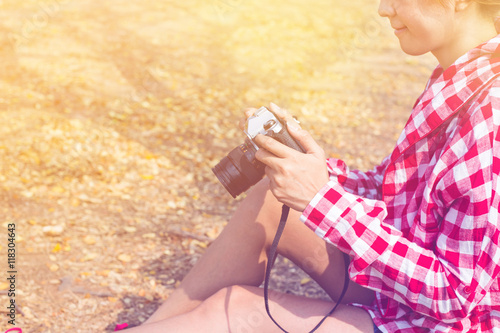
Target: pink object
[[120, 327]]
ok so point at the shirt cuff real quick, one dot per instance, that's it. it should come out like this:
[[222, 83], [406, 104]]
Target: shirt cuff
[[327, 207], [348, 221]]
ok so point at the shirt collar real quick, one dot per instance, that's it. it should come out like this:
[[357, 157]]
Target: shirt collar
[[448, 90]]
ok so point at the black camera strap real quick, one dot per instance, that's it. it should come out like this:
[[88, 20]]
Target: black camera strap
[[270, 262]]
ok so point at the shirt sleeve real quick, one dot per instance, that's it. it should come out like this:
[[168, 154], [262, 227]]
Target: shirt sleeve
[[365, 184], [445, 280]]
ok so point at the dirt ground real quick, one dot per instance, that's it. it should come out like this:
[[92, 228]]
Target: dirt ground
[[113, 113]]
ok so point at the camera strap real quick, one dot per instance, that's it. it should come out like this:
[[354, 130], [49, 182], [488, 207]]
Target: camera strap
[[270, 262]]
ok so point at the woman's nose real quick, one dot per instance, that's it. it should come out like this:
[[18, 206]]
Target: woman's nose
[[385, 8]]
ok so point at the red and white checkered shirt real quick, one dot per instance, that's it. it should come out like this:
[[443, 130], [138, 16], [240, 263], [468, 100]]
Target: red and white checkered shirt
[[423, 228]]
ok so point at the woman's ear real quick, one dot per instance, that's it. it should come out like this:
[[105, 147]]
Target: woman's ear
[[496, 19], [461, 5]]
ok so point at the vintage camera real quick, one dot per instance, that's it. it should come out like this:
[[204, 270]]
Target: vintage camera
[[239, 170]]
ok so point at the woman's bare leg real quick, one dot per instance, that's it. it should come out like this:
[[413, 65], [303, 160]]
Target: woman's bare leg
[[240, 310], [239, 255]]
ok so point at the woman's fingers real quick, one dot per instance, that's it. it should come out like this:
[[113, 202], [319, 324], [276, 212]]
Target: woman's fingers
[[248, 113], [283, 114]]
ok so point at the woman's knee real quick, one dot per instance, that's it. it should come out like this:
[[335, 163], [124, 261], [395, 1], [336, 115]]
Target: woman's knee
[[236, 308], [259, 207], [222, 299]]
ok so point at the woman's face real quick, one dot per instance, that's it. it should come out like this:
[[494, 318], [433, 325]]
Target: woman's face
[[421, 25]]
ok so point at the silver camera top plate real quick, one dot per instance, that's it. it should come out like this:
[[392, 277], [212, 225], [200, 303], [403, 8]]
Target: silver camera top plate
[[262, 122]]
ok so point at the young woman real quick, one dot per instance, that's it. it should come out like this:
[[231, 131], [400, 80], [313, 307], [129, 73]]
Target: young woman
[[422, 230]]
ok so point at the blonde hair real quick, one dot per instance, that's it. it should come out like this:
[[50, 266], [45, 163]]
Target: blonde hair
[[490, 8]]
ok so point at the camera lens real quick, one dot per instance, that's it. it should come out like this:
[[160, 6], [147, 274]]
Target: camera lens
[[239, 169]]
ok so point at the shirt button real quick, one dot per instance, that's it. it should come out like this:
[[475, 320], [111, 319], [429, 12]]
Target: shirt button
[[467, 290]]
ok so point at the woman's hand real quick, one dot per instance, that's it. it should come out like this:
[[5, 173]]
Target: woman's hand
[[295, 177]]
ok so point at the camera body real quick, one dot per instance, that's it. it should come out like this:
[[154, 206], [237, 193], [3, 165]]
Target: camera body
[[239, 170]]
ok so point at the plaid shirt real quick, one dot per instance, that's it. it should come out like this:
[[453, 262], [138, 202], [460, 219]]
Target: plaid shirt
[[423, 228]]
